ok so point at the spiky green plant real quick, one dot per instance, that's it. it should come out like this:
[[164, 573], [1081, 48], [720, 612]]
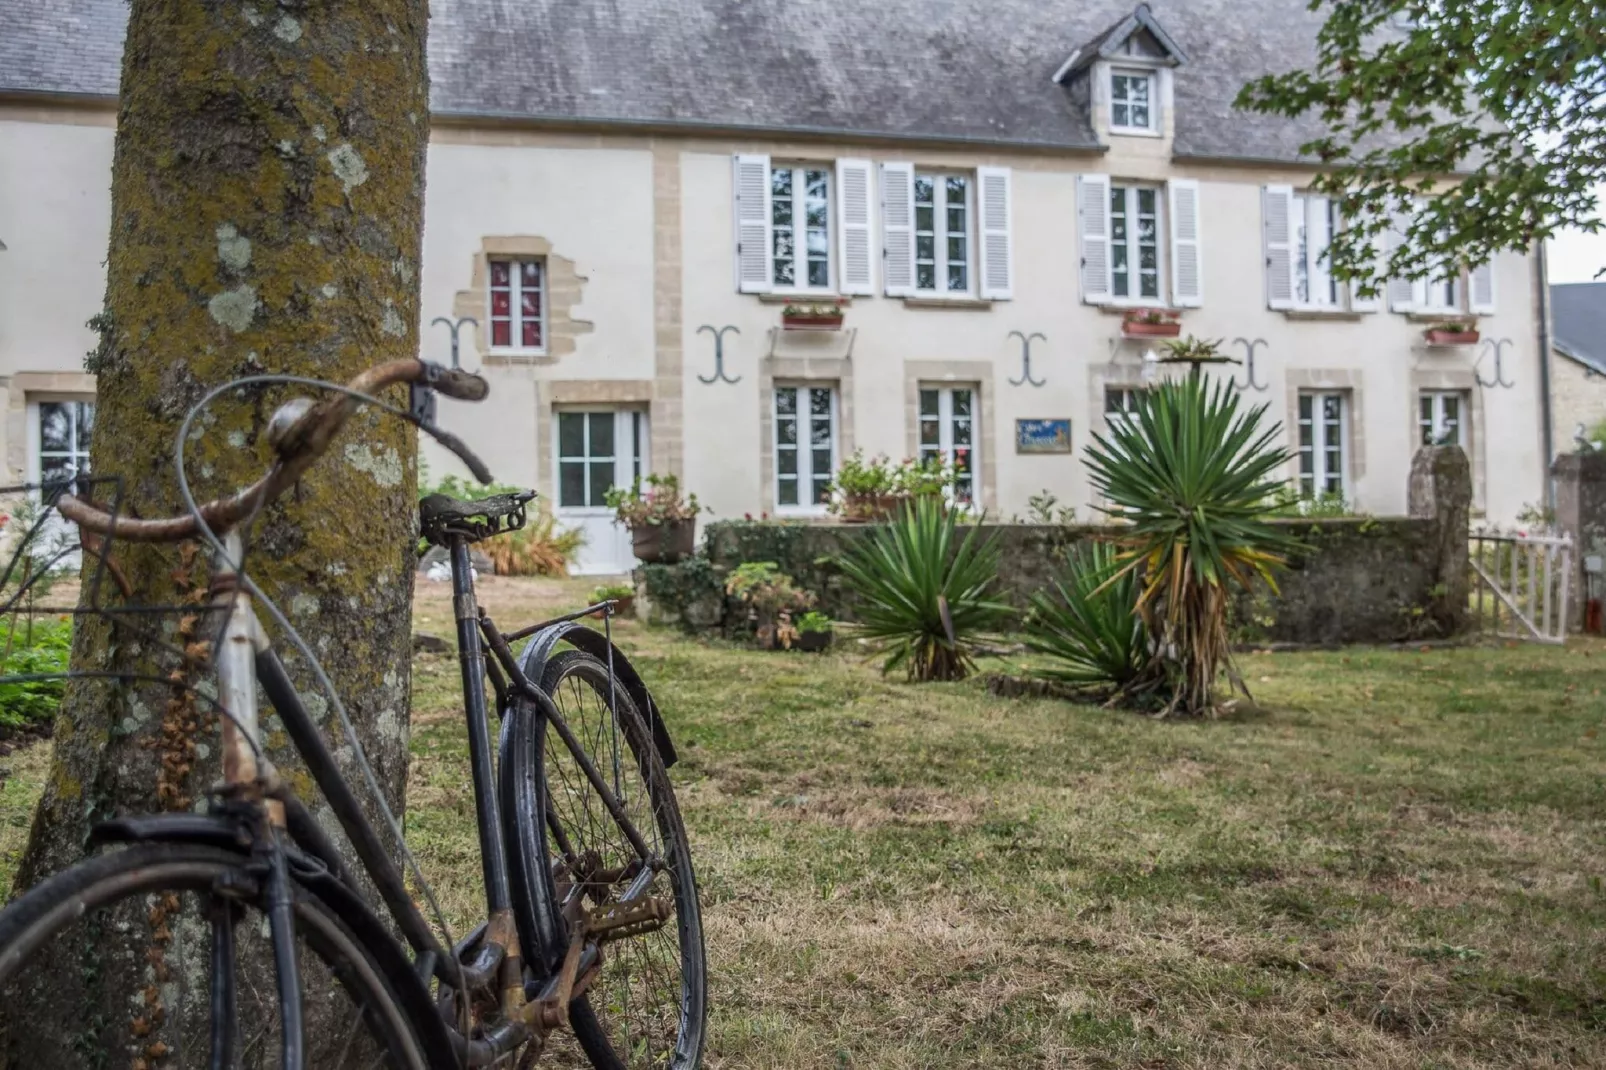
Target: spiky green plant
[[925, 592], [1190, 472], [1088, 625]]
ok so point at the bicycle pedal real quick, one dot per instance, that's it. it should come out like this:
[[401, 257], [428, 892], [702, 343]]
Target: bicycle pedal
[[622, 920]]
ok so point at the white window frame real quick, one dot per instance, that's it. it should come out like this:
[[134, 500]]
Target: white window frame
[[1129, 192], [1121, 412], [1311, 213], [1433, 421], [629, 453], [947, 428], [802, 444], [940, 234], [1151, 78], [515, 346], [800, 259], [36, 451], [1321, 474]]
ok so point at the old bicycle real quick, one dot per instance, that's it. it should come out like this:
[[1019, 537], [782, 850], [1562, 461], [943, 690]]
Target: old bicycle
[[239, 937]]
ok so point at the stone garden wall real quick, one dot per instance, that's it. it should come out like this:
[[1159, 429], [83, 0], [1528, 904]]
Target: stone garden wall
[[1360, 580]]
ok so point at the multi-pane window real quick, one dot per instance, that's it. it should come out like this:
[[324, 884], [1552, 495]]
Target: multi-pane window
[[1131, 100], [65, 428], [800, 214], [1315, 221], [518, 304], [948, 433], [1440, 419], [942, 233], [1134, 242], [588, 458], [1323, 445], [805, 446], [1120, 402]]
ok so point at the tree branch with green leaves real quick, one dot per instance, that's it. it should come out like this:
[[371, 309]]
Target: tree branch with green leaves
[[1495, 108]]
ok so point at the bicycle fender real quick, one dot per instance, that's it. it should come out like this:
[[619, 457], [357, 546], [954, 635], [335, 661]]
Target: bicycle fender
[[532, 662], [210, 830]]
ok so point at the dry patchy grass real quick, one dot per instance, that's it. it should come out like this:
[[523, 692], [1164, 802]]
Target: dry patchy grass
[[1396, 861]]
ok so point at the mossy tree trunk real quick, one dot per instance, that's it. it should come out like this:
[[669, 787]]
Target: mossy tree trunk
[[267, 203]]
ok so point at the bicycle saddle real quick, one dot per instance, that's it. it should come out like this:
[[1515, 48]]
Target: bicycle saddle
[[440, 515]]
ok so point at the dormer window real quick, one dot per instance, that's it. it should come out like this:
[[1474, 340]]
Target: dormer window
[[1132, 95]]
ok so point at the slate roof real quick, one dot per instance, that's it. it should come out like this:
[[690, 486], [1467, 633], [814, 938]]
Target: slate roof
[[1578, 319], [939, 70]]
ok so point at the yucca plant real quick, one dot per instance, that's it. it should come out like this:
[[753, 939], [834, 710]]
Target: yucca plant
[[1190, 472], [1088, 626], [925, 592]]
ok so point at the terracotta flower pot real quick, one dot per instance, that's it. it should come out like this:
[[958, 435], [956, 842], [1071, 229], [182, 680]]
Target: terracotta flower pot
[[812, 323], [1452, 338], [1137, 329], [664, 544]]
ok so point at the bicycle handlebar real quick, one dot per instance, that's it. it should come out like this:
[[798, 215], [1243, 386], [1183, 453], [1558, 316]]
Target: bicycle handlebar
[[299, 443]]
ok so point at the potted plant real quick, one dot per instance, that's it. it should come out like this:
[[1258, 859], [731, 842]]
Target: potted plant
[[663, 525], [812, 316], [622, 595], [814, 631], [1151, 323], [772, 600], [1460, 332], [864, 490]]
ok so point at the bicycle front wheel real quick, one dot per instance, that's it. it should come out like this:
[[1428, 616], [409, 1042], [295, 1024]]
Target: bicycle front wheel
[[158, 955], [647, 1008]]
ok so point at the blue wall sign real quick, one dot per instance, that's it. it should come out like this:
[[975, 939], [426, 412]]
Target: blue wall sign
[[1042, 436]]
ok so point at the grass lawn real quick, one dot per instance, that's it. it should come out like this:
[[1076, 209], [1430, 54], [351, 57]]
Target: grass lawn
[[1397, 862]]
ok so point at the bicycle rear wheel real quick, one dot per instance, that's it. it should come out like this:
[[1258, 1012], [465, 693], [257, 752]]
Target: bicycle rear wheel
[[647, 1008], [134, 942]]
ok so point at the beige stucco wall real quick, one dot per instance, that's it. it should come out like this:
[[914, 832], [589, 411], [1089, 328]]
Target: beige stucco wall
[[643, 228], [1379, 357], [593, 205], [55, 215], [1580, 398]]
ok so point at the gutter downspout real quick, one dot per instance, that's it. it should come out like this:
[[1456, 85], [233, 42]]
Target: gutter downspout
[[1547, 436]]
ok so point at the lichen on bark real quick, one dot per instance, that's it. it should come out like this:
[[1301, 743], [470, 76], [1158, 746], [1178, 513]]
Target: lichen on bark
[[267, 180]]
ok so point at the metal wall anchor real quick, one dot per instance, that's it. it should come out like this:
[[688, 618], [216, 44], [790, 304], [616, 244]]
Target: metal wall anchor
[[719, 375], [1249, 364], [1026, 358], [1499, 381], [454, 326]]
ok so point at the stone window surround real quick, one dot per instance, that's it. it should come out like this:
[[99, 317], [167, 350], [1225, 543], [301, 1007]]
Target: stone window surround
[[1340, 381], [835, 372], [563, 292], [950, 373], [555, 394], [1465, 382], [23, 388]]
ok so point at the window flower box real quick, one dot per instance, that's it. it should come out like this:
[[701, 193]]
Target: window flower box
[[1452, 333], [1151, 323], [812, 316]]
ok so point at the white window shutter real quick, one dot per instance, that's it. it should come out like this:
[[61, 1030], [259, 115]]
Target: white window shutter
[[997, 280], [898, 228], [753, 224], [856, 272], [1481, 280], [1093, 210], [1277, 225], [1187, 268]]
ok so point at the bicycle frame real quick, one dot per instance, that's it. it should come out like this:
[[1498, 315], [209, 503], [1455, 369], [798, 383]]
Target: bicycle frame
[[246, 660]]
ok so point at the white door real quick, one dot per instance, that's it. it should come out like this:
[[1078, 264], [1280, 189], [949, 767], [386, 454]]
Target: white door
[[597, 449]]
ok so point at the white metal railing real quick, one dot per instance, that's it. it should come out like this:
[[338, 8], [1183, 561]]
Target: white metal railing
[[1521, 583]]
